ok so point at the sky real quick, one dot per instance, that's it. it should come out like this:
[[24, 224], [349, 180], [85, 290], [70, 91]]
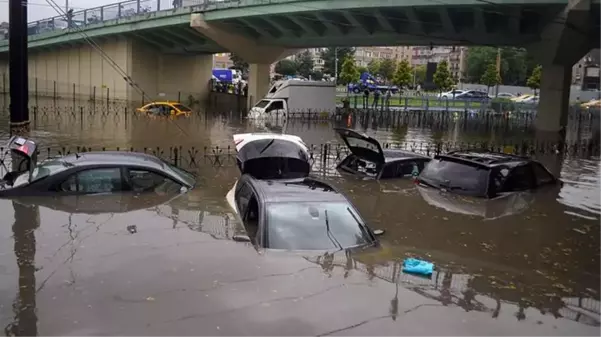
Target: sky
[[40, 9]]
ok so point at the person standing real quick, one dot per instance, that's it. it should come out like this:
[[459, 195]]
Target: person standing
[[366, 98], [377, 94]]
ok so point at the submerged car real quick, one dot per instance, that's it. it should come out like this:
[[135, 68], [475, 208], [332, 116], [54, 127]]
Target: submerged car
[[368, 159], [165, 109], [90, 173], [299, 214], [484, 174]]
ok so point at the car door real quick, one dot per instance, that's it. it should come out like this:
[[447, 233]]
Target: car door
[[542, 175], [94, 190]]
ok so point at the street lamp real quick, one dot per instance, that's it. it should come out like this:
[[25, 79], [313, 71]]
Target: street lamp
[[336, 65]]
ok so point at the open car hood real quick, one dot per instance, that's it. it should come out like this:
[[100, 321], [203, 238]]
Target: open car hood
[[361, 145], [272, 156]]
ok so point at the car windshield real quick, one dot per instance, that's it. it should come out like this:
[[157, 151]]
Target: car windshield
[[262, 104], [314, 226], [43, 170], [181, 108], [184, 175], [455, 176]]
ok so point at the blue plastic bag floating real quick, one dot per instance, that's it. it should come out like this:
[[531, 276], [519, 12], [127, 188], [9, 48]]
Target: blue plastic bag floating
[[416, 266]]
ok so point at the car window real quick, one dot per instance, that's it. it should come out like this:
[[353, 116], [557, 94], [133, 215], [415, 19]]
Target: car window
[[304, 226], [541, 174], [243, 195], [456, 176], [142, 181], [520, 178], [276, 105], [262, 103], [181, 107], [100, 180]]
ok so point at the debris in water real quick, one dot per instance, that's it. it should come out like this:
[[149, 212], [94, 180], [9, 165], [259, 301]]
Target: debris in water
[[578, 230], [416, 266]]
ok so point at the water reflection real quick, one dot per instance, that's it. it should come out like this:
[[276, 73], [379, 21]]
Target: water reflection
[[25, 320]]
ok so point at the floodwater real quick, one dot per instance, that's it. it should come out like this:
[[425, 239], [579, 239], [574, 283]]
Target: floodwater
[[525, 265]]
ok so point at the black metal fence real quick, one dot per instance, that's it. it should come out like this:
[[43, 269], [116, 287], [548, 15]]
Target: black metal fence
[[324, 157]]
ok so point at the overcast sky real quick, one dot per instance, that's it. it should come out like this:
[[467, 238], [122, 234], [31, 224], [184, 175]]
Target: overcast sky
[[40, 9]]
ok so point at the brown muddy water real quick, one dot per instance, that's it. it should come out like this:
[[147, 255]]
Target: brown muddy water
[[525, 265]]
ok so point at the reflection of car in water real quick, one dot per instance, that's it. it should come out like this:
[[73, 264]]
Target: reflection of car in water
[[91, 173], [489, 209], [367, 158], [484, 174], [165, 109]]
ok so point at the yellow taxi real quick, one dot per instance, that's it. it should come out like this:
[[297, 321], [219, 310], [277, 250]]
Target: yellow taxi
[[165, 109], [521, 98], [594, 103]]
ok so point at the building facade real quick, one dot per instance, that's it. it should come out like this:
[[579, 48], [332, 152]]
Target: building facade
[[364, 55], [222, 60]]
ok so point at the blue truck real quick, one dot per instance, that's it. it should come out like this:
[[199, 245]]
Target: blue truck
[[371, 83]]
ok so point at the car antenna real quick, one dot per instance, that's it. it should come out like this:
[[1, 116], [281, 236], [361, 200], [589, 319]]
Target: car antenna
[[330, 236]]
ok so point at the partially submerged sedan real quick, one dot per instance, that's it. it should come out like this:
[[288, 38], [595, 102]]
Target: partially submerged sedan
[[368, 159], [484, 174], [90, 173], [299, 214], [281, 207]]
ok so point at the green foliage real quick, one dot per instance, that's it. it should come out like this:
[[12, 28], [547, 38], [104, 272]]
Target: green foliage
[[329, 55], [387, 68], [373, 67], [420, 74], [403, 75], [304, 63], [534, 79], [349, 72], [286, 67], [362, 69], [516, 63], [442, 76], [316, 75], [239, 63], [490, 78]]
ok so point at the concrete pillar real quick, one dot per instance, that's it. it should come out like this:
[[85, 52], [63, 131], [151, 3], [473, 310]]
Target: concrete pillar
[[554, 97], [258, 82], [560, 46], [260, 57]]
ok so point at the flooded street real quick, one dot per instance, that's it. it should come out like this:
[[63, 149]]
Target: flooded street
[[527, 264]]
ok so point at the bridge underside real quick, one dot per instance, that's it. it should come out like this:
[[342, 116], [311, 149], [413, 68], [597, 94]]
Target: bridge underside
[[515, 25]]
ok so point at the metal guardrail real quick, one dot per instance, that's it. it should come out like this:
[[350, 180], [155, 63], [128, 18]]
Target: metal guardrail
[[129, 9]]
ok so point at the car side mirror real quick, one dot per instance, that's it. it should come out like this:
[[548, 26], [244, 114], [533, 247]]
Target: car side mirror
[[241, 238], [378, 232]]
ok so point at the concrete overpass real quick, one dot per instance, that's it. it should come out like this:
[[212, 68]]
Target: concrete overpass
[[164, 50]]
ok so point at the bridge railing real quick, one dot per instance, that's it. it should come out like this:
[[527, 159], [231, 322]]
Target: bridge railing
[[127, 9]]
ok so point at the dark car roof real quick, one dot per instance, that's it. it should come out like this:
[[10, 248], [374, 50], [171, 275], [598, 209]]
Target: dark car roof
[[398, 154], [487, 158], [114, 157], [296, 190]]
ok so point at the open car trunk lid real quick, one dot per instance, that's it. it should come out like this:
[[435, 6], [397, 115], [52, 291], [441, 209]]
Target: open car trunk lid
[[361, 145], [272, 156]]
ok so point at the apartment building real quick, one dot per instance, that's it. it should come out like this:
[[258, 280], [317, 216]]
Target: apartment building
[[454, 55], [364, 55], [222, 60]]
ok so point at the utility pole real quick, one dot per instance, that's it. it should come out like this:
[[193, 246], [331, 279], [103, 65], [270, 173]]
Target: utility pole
[[336, 65], [18, 75], [498, 70], [66, 6]]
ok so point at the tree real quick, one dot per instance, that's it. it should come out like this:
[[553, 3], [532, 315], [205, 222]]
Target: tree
[[374, 67], [442, 76], [516, 64], [316, 75], [387, 68], [239, 63], [420, 74], [534, 79], [491, 77], [403, 75], [286, 67], [362, 69], [304, 63], [349, 72], [328, 56]]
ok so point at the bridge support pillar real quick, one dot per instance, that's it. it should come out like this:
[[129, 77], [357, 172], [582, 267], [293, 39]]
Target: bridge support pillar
[[260, 57], [563, 43]]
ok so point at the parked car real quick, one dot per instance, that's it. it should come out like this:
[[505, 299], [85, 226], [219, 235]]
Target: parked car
[[473, 95], [165, 109], [90, 173], [521, 98], [530, 100], [368, 159], [484, 174], [505, 95], [592, 104], [299, 214], [451, 94]]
